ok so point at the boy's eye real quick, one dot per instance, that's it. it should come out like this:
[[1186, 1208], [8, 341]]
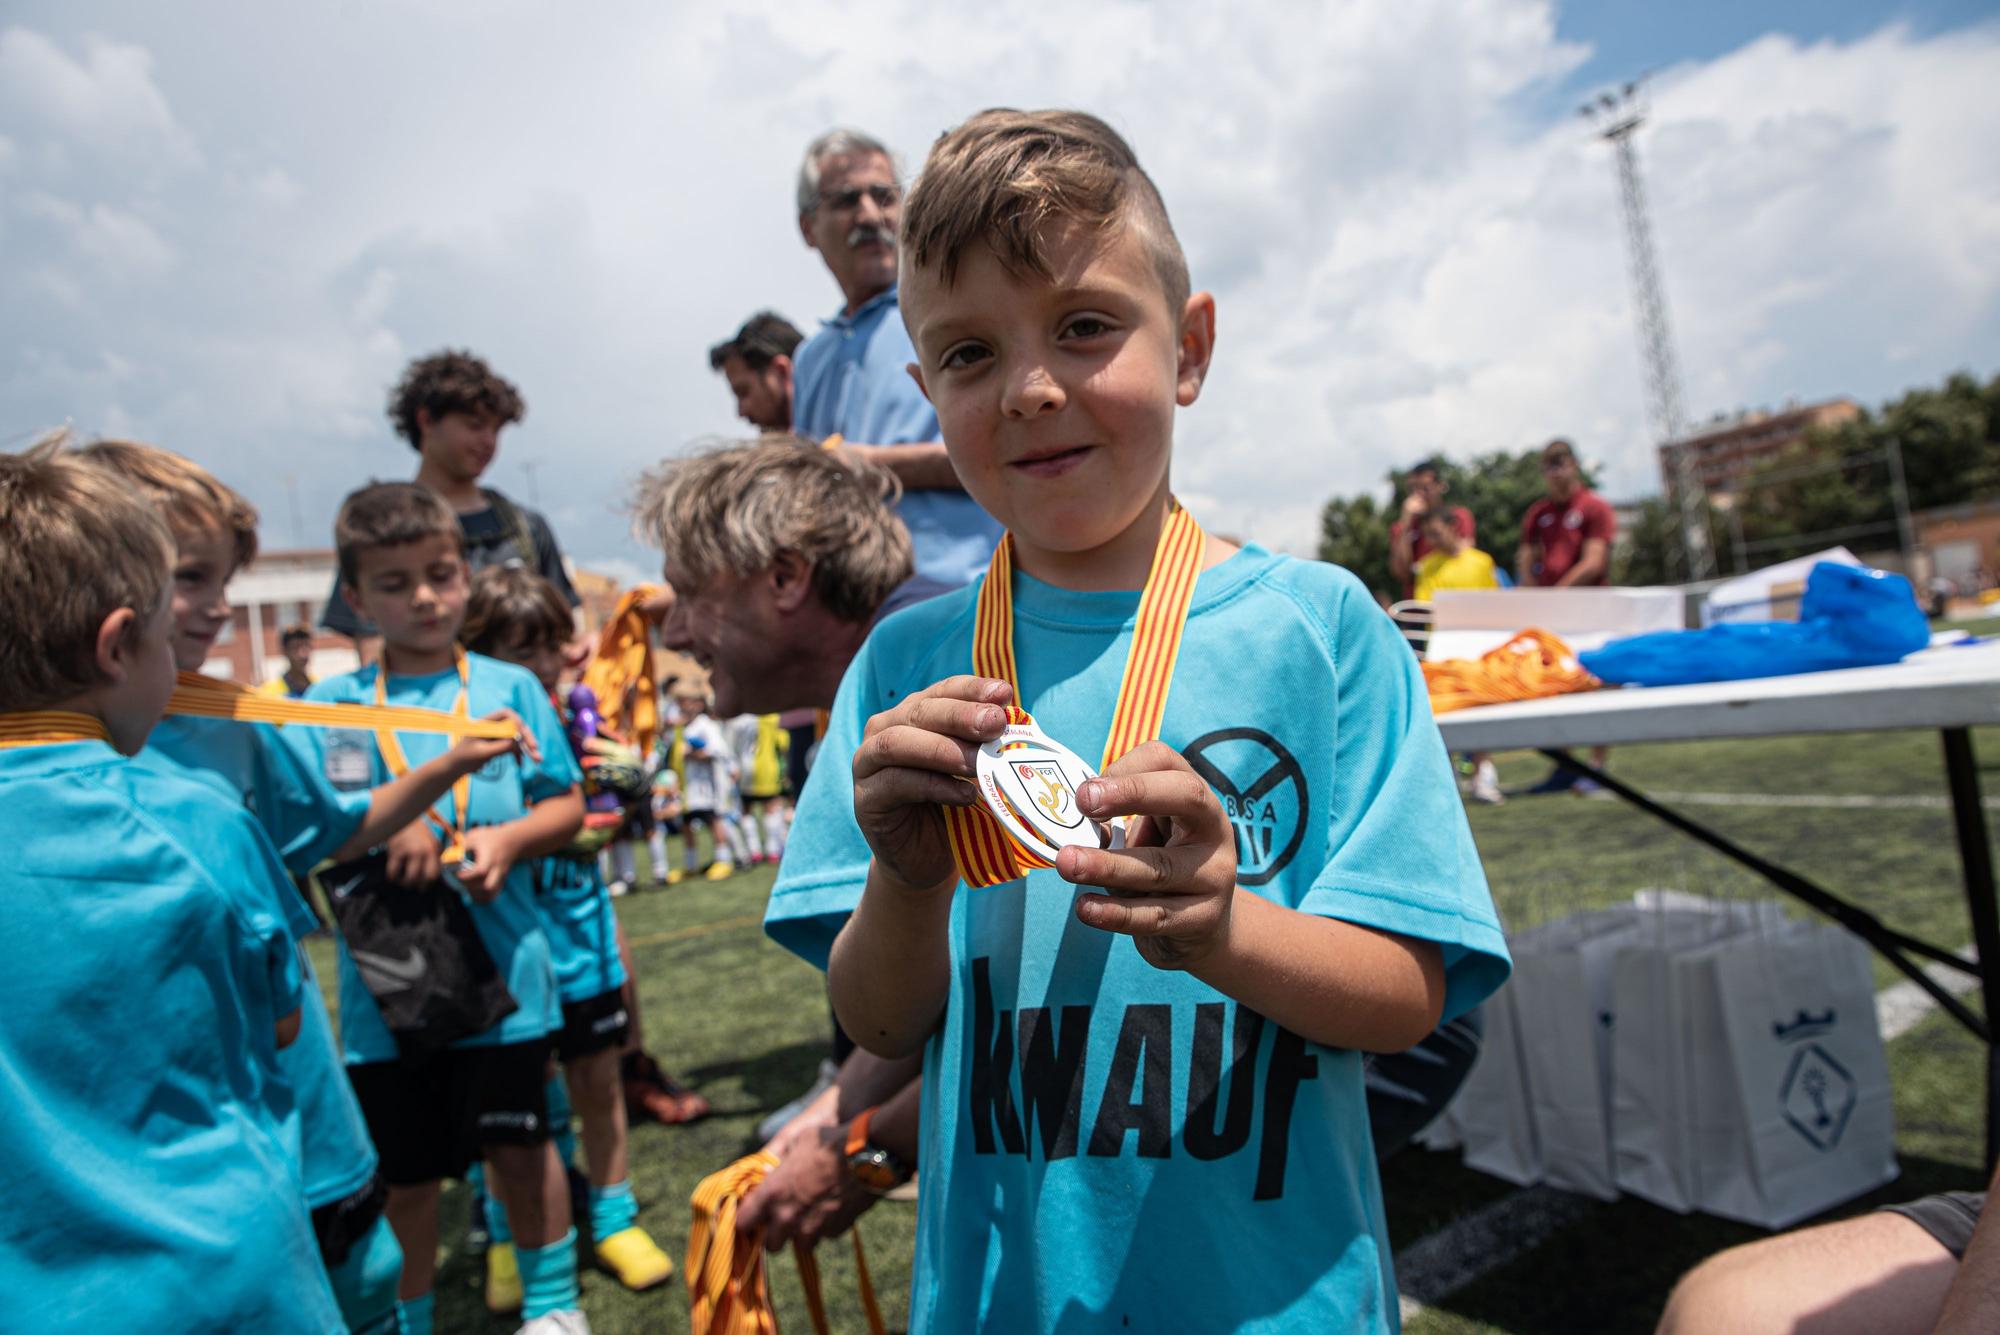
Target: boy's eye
[[1086, 326], [961, 355]]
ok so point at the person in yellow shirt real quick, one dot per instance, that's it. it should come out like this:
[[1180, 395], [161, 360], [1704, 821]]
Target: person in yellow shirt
[[297, 642], [1454, 563]]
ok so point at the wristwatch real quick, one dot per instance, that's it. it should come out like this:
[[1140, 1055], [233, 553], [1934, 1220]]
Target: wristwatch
[[875, 1168]]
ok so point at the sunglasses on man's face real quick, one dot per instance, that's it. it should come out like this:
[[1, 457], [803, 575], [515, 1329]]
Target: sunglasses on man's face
[[846, 201]]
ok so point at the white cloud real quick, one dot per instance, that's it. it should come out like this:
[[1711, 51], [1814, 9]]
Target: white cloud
[[1410, 250]]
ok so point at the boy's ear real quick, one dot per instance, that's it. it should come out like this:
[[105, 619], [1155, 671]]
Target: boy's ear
[[115, 641], [1197, 347], [790, 580], [917, 374]]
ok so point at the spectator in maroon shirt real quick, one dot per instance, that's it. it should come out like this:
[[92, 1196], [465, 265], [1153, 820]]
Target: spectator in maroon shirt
[[1566, 537], [1566, 543], [1424, 488]]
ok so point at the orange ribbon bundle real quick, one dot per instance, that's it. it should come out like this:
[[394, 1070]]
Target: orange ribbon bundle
[[728, 1291], [1531, 665], [620, 673]]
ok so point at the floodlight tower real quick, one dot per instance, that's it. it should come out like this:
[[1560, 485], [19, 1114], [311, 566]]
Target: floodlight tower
[[1616, 117]]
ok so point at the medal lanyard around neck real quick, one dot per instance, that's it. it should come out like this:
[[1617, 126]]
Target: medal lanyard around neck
[[987, 853], [399, 764], [49, 727]]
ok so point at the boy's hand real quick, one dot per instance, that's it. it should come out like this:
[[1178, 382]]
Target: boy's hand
[[912, 761], [468, 754], [489, 856], [1172, 885], [414, 855]]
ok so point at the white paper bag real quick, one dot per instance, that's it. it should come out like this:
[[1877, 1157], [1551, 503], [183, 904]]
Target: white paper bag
[[1793, 1114], [1492, 1113]]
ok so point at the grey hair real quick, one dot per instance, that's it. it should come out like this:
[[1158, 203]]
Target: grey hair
[[731, 509], [835, 143]]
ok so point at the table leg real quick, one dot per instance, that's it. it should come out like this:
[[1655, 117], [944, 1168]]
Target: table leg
[[1975, 852]]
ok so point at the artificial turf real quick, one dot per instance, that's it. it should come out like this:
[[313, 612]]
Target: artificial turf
[[746, 1023]]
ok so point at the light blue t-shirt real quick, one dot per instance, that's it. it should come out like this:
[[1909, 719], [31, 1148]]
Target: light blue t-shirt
[[502, 790], [1110, 1146], [149, 1181], [583, 927], [852, 377], [307, 819]]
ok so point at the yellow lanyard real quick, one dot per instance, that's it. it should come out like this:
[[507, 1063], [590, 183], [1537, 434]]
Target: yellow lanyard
[[399, 764], [987, 853], [49, 727], [206, 697], [728, 1290]]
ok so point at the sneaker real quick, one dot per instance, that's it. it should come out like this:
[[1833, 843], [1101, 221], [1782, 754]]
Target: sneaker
[[653, 1095], [720, 871], [618, 888], [675, 876], [569, 1321], [1587, 788], [503, 1279], [635, 1259], [1559, 780], [1486, 785], [771, 1125]]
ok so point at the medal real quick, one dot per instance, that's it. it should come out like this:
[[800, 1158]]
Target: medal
[[1027, 780]]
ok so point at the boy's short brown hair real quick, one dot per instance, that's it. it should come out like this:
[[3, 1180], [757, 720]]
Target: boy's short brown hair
[[451, 381], [192, 498], [512, 605], [390, 514], [79, 545], [1003, 176]]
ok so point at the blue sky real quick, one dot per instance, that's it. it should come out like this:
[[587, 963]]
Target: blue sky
[[225, 230]]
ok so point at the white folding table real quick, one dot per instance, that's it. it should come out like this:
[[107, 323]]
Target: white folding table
[[1951, 689]]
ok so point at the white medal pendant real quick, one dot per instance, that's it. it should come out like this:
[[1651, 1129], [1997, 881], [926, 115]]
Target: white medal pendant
[[1028, 781]]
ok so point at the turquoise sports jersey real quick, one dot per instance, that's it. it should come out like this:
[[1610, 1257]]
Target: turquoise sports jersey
[[307, 819], [149, 1181], [1109, 1146], [583, 928], [502, 790]]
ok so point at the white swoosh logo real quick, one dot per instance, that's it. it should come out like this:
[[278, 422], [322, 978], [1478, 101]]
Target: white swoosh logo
[[391, 975], [346, 887]]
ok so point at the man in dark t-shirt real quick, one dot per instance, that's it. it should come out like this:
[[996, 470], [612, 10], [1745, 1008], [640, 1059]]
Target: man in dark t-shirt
[[451, 407]]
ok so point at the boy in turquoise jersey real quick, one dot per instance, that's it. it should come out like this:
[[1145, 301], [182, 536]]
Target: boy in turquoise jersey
[[401, 565], [515, 615], [147, 976], [1143, 1100], [308, 821]]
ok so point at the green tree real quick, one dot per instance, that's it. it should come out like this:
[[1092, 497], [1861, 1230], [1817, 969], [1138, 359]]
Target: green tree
[[1353, 532]]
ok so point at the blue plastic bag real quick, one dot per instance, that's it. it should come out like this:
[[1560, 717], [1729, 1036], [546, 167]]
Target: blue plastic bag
[[1850, 617]]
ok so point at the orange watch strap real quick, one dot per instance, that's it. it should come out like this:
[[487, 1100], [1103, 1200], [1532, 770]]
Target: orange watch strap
[[857, 1133]]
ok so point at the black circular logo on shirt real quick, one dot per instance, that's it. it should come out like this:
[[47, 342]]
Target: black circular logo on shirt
[[1263, 793]]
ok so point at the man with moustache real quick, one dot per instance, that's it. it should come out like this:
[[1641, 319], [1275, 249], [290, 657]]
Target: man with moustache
[[851, 379]]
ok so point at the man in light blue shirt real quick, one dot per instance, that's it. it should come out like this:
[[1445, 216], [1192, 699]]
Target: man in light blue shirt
[[850, 378]]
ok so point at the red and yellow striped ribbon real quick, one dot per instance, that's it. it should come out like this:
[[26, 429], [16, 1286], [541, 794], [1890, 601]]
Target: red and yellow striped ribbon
[[49, 727], [728, 1290], [398, 764], [987, 853], [206, 697]]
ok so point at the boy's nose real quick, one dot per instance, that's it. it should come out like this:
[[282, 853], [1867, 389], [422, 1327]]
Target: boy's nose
[[1032, 390]]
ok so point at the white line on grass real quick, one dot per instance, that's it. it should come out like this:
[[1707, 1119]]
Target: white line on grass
[[1827, 801], [1435, 1267]]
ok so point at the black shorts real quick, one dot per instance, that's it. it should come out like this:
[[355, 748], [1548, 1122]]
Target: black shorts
[[1948, 1216], [593, 1024], [431, 1119]]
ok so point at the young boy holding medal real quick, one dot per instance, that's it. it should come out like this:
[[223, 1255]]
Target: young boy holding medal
[[402, 565], [1143, 1099], [149, 979]]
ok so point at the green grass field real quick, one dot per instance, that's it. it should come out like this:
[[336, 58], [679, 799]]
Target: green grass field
[[746, 1023]]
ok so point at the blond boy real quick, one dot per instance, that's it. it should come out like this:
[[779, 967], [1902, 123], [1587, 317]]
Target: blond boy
[[1143, 1101]]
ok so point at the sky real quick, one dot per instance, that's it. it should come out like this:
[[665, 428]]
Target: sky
[[225, 229]]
